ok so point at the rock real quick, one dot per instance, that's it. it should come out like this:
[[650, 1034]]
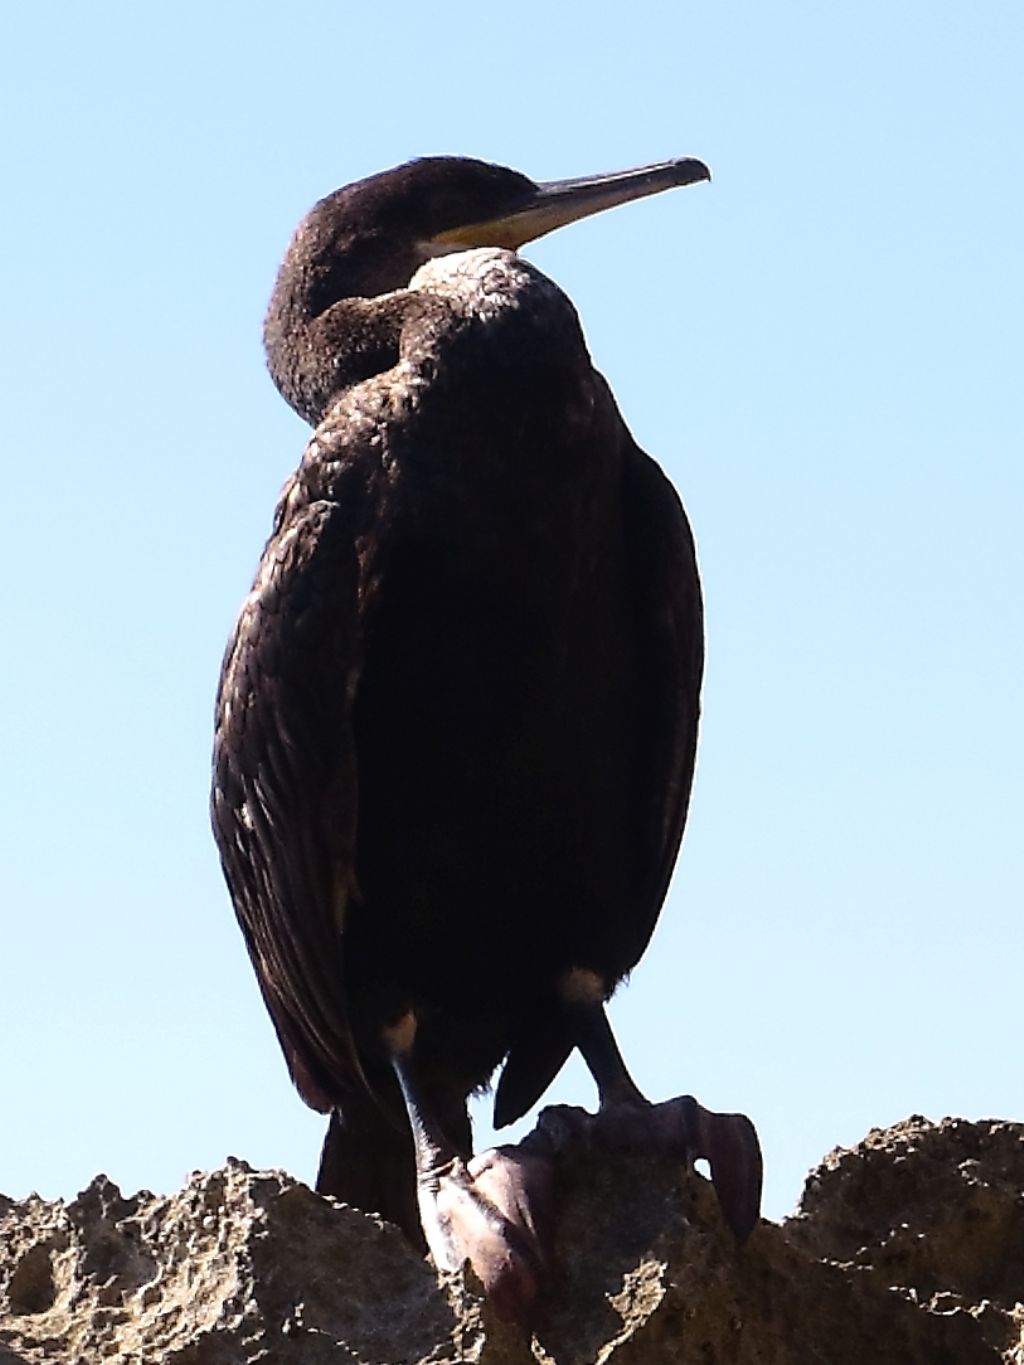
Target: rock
[[907, 1248]]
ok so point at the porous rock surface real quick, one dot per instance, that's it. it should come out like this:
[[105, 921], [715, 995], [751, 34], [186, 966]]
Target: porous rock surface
[[907, 1248]]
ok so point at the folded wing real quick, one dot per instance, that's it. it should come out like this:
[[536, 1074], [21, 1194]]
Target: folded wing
[[284, 796]]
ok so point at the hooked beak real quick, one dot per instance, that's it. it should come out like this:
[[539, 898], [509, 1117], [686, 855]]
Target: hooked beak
[[557, 202]]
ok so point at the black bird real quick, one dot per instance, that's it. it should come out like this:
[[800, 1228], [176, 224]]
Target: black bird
[[457, 718]]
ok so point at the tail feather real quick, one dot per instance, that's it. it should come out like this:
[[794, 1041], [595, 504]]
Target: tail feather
[[537, 1055], [369, 1162]]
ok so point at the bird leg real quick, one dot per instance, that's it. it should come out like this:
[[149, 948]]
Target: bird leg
[[680, 1128], [482, 1209]]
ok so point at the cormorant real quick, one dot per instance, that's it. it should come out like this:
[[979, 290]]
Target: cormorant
[[457, 718]]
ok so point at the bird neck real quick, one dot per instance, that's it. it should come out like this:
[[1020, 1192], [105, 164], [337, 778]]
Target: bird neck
[[336, 312], [313, 360]]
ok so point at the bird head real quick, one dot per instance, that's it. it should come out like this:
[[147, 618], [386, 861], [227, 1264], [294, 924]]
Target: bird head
[[367, 240]]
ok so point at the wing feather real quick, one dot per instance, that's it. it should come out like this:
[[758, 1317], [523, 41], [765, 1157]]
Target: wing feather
[[669, 622], [284, 793]]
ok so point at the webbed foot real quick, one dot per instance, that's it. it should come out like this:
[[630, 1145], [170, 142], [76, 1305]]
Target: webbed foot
[[685, 1130], [494, 1212], [679, 1128]]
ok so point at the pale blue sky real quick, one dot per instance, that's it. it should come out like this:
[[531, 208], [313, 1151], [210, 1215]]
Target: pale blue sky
[[823, 348]]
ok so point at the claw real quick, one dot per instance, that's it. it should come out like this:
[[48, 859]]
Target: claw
[[730, 1146]]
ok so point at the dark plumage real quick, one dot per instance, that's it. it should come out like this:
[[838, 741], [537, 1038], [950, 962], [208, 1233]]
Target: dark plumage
[[457, 718]]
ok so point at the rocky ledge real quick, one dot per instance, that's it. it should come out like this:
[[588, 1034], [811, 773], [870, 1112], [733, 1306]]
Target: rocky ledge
[[906, 1248]]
